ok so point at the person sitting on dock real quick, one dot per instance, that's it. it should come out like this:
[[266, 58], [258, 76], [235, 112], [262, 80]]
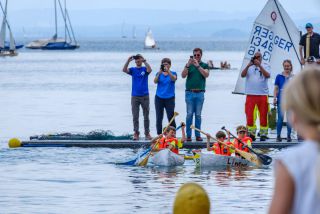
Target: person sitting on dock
[[244, 139], [217, 147], [169, 140], [223, 65]]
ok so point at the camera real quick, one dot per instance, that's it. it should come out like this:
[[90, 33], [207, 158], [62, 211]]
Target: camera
[[162, 67], [191, 57], [253, 58], [135, 57]]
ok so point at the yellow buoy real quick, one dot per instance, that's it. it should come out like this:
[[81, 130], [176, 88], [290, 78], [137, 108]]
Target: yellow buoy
[[14, 143], [191, 198]]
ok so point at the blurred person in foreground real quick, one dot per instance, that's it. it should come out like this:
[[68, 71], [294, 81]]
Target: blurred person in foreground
[[297, 170]]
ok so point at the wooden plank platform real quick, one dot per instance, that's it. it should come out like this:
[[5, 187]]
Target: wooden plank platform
[[271, 143]]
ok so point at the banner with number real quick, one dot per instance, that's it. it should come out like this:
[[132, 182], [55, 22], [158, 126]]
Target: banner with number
[[276, 36]]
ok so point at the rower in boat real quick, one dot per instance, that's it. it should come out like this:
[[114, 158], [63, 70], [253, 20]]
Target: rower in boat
[[168, 140], [243, 139], [217, 147]]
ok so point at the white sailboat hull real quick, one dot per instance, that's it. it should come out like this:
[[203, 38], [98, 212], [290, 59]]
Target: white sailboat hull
[[40, 43], [167, 158]]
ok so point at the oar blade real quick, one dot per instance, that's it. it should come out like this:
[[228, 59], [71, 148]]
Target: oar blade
[[265, 159], [144, 162], [250, 157]]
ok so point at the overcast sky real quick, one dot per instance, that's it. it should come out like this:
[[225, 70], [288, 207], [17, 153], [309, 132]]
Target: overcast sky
[[292, 6]]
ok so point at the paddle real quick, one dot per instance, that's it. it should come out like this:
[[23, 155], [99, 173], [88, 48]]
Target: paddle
[[133, 161], [145, 160], [245, 155], [265, 159]]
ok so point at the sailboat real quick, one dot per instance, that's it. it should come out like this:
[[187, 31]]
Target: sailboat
[[276, 36], [7, 48], [134, 34], [149, 42], [123, 35], [55, 43]]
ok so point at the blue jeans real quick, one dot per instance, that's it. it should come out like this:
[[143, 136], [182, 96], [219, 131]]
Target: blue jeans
[[194, 103], [280, 122]]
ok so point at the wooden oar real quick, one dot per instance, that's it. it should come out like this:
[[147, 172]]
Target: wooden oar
[[145, 160], [250, 157], [265, 159]]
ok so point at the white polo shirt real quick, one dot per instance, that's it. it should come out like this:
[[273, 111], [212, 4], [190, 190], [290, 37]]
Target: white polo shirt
[[256, 83]]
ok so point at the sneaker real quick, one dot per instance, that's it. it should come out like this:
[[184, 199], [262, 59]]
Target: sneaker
[[199, 139], [136, 136], [279, 139], [189, 139], [263, 138], [289, 139], [148, 136]]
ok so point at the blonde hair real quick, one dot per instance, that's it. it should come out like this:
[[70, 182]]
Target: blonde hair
[[302, 96]]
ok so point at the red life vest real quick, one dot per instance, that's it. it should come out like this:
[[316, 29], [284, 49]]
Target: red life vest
[[220, 149], [241, 145], [166, 142]]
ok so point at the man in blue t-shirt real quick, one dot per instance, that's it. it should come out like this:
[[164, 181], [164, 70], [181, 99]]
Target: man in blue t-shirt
[[140, 93]]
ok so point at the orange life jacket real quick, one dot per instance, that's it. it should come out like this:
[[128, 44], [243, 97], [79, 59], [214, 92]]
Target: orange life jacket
[[220, 149], [241, 145], [166, 142]]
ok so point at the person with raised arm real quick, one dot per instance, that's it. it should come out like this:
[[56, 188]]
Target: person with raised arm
[[196, 73], [257, 91], [140, 93]]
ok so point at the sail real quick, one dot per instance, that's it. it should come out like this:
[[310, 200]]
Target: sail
[[3, 33], [12, 42], [276, 36], [3, 26], [149, 41]]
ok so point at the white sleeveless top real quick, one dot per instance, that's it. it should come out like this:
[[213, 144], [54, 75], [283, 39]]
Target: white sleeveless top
[[301, 162]]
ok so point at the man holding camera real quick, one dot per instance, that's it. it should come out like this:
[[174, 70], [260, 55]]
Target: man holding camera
[[196, 73], [140, 93], [256, 89], [309, 45]]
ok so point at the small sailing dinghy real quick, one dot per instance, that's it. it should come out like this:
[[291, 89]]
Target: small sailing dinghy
[[167, 158], [277, 38], [149, 42]]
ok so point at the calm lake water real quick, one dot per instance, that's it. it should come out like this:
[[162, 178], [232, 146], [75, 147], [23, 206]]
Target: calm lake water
[[82, 90]]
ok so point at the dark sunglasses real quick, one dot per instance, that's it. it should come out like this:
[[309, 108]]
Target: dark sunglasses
[[196, 54], [242, 132]]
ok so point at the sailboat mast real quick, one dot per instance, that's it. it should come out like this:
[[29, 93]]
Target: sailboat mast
[[55, 19], [65, 20], [72, 32]]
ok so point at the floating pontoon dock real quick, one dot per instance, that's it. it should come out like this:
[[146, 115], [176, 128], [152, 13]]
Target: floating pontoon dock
[[271, 143]]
